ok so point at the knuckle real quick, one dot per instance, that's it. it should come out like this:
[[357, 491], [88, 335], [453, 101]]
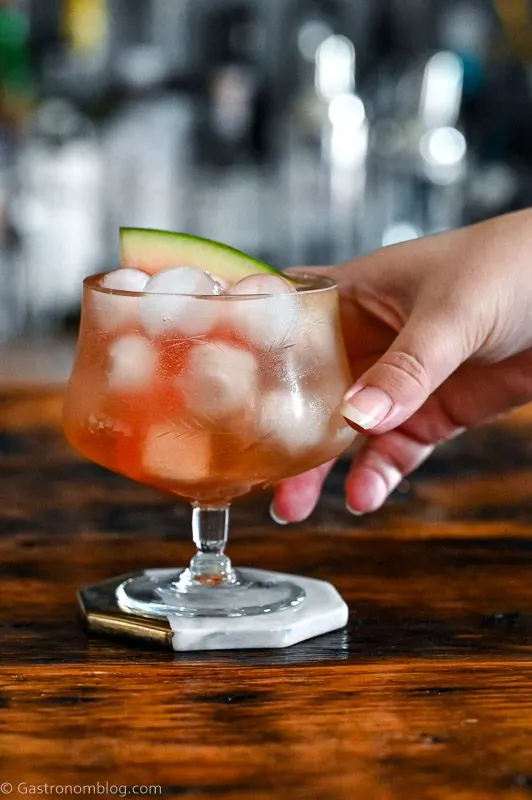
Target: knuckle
[[388, 469], [405, 367]]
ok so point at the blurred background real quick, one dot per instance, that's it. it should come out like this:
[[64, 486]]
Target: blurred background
[[303, 131]]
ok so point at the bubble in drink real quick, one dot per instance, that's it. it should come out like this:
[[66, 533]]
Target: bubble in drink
[[293, 421], [177, 452], [269, 321], [132, 363], [116, 312], [167, 305], [218, 380]]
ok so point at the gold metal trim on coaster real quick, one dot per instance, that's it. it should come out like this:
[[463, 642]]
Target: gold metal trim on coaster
[[102, 615]]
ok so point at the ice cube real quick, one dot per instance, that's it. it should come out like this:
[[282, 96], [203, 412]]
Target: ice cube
[[293, 421], [337, 438], [114, 312], [177, 452], [167, 305], [219, 379], [266, 321], [262, 284], [316, 340], [132, 363], [126, 280]]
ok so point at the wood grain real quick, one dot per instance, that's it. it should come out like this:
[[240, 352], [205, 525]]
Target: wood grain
[[426, 694]]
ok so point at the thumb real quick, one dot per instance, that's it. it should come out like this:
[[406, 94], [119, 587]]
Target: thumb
[[427, 350]]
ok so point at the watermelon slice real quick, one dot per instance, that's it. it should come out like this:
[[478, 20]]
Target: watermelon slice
[[152, 251]]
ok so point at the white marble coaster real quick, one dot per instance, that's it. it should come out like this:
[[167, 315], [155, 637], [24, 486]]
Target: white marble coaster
[[321, 611]]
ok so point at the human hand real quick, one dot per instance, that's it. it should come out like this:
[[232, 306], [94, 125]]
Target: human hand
[[438, 333]]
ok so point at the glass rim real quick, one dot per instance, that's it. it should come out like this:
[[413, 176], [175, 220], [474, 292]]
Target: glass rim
[[310, 284]]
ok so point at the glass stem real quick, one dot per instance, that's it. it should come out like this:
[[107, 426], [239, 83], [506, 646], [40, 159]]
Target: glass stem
[[210, 566]]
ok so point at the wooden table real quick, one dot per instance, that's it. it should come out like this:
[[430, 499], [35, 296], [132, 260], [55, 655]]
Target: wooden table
[[427, 694]]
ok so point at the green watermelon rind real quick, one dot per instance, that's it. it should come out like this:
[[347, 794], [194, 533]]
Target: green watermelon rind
[[153, 250]]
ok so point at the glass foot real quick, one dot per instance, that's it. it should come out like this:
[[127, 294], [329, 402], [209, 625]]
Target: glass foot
[[156, 595]]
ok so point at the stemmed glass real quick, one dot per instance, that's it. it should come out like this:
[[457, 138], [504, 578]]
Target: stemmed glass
[[226, 397]]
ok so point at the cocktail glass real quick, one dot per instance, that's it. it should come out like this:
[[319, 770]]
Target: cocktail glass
[[209, 398]]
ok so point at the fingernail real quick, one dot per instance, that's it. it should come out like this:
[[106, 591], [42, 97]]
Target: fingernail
[[353, 511], [366, 407], [276, 518]]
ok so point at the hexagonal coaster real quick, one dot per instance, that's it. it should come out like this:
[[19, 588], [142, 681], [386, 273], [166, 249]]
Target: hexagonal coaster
[[322, 610]]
